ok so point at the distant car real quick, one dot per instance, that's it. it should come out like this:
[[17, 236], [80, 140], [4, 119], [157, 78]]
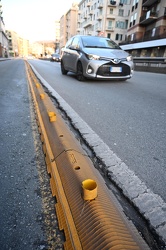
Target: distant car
[[55, 57], [95, 57], [30, 57]]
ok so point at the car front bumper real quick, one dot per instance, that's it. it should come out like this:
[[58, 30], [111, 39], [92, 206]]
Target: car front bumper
[[108, 70]]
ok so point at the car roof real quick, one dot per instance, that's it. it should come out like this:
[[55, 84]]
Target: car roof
[[91, 36]]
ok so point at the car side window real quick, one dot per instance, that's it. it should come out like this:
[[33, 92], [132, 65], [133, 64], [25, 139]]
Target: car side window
[[75, 43], [69, 43]]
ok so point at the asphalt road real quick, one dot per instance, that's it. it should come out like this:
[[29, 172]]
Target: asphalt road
[[27, 208], [130, 117]]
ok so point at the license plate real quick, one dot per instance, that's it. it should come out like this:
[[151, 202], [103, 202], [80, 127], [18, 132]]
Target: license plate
[[116, 69]]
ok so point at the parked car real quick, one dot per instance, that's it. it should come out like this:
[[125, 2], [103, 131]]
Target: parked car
[[95, 57], [55, 57], [30, 57]]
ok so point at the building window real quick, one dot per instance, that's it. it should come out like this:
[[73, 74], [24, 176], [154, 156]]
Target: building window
[[135, 17], [121, 12], [131, 21], [124, 2], [118, 37], [165, 11], [136, 4], [133, 6], [111, 11], [153, 32], [110, 24], [109, 35], [132, 37], [155, 52], [121, 25], [144, 52]]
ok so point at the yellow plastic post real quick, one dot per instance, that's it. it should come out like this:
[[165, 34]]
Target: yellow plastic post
[[42, 96], [52, 116], [89, 189], [37, 85]]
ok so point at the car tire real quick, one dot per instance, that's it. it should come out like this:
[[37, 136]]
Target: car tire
[[63, 70], [80, 76]]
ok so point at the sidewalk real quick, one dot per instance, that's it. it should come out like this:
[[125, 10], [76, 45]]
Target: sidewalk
[[4, 58], [27, 213]]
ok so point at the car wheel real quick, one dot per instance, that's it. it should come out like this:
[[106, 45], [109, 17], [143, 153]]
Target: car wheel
[[80, 76], [63, 70]]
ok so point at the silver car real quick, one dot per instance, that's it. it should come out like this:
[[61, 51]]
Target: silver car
[[95, 57]]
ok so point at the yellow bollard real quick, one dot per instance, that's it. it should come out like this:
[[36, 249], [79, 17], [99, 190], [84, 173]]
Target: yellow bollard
[[37, 85], [89, 189], [52, 116], [42, 96]]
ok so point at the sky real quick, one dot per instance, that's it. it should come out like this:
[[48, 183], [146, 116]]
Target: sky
[[34, 19]]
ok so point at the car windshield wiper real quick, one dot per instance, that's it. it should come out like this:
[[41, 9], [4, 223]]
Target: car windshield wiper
[[102, 47], [92, 46]]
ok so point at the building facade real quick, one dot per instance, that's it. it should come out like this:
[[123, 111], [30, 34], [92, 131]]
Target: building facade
[[18, 46], [107, 18], [138, 26], [146, 34], [3, 36], [68, 24], [13, 43], [57, 36]]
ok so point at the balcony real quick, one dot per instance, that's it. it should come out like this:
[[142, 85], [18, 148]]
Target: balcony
[[110, 16], [87, 24], [148, 18], [112, 3], [147, 3], [98, 29], [91, 12], [99, 18], [100, 5], [88, 4]]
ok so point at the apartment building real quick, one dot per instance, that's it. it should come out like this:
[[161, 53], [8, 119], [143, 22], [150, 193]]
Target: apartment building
[[68, 24], [57, 35], [13, 43], [3, 36], [18, 46], [139, 26], [146, 34], [107, 18]]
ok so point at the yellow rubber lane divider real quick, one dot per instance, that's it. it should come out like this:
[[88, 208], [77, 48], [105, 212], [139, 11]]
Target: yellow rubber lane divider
[[87, 211], [65, 218]]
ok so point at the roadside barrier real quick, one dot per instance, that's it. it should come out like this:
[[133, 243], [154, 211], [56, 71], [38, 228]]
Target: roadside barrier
[[87, 211]]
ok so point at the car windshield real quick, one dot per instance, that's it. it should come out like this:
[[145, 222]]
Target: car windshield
[[99, 42]]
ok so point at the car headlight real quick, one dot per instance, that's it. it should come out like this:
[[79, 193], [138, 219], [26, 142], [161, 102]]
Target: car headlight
[[92, 57], [129, 58]]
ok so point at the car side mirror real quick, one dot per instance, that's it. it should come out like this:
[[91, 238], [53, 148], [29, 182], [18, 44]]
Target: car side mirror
[[73, 47]]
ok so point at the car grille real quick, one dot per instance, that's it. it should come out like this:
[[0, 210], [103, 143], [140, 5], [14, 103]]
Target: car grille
[[104, 70]]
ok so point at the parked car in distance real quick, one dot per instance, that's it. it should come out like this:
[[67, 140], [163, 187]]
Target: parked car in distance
[[55, 57], [30, 57], [96, 57]]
